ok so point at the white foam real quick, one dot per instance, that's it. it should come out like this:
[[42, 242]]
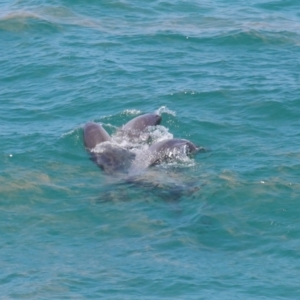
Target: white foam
[[131, 112], [165, 110], [70, 132], [159, 133]]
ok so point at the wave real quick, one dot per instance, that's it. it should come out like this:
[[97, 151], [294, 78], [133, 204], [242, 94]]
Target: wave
[[161, 27], [244, 37], [25, 20], [53, 17]]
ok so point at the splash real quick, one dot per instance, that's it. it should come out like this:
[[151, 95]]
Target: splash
[[165, 110], [131, 112], [70, 132], [159, 133]]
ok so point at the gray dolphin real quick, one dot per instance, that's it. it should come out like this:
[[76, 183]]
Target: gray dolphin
[[166, 150], [135, 129], [169, 149], [109, 157], [140, 123], [94, 134]]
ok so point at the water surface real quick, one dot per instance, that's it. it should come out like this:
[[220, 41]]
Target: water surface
[[226, 76]]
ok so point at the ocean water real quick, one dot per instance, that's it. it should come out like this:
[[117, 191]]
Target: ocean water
[[224, 224]]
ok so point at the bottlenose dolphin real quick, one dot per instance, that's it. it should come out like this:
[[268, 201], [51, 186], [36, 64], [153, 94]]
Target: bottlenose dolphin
[[140, 123], [107, 155], [136, 128], [171, 144], [112, 158], [163, 151], [94, 134]]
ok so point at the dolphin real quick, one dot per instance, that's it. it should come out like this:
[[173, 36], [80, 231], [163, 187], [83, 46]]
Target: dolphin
[[166, 150], [94, 134], [135, 129], [112, 158], [107, 155], [140, 123], [169, 149]]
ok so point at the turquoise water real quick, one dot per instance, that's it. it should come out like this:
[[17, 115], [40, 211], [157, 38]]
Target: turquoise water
[[225, 224]]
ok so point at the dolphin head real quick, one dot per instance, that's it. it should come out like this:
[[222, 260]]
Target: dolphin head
[[94, 134], [170, 149], [140, 123]]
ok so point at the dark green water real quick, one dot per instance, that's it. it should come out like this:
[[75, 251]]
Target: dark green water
[[225, 224]]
